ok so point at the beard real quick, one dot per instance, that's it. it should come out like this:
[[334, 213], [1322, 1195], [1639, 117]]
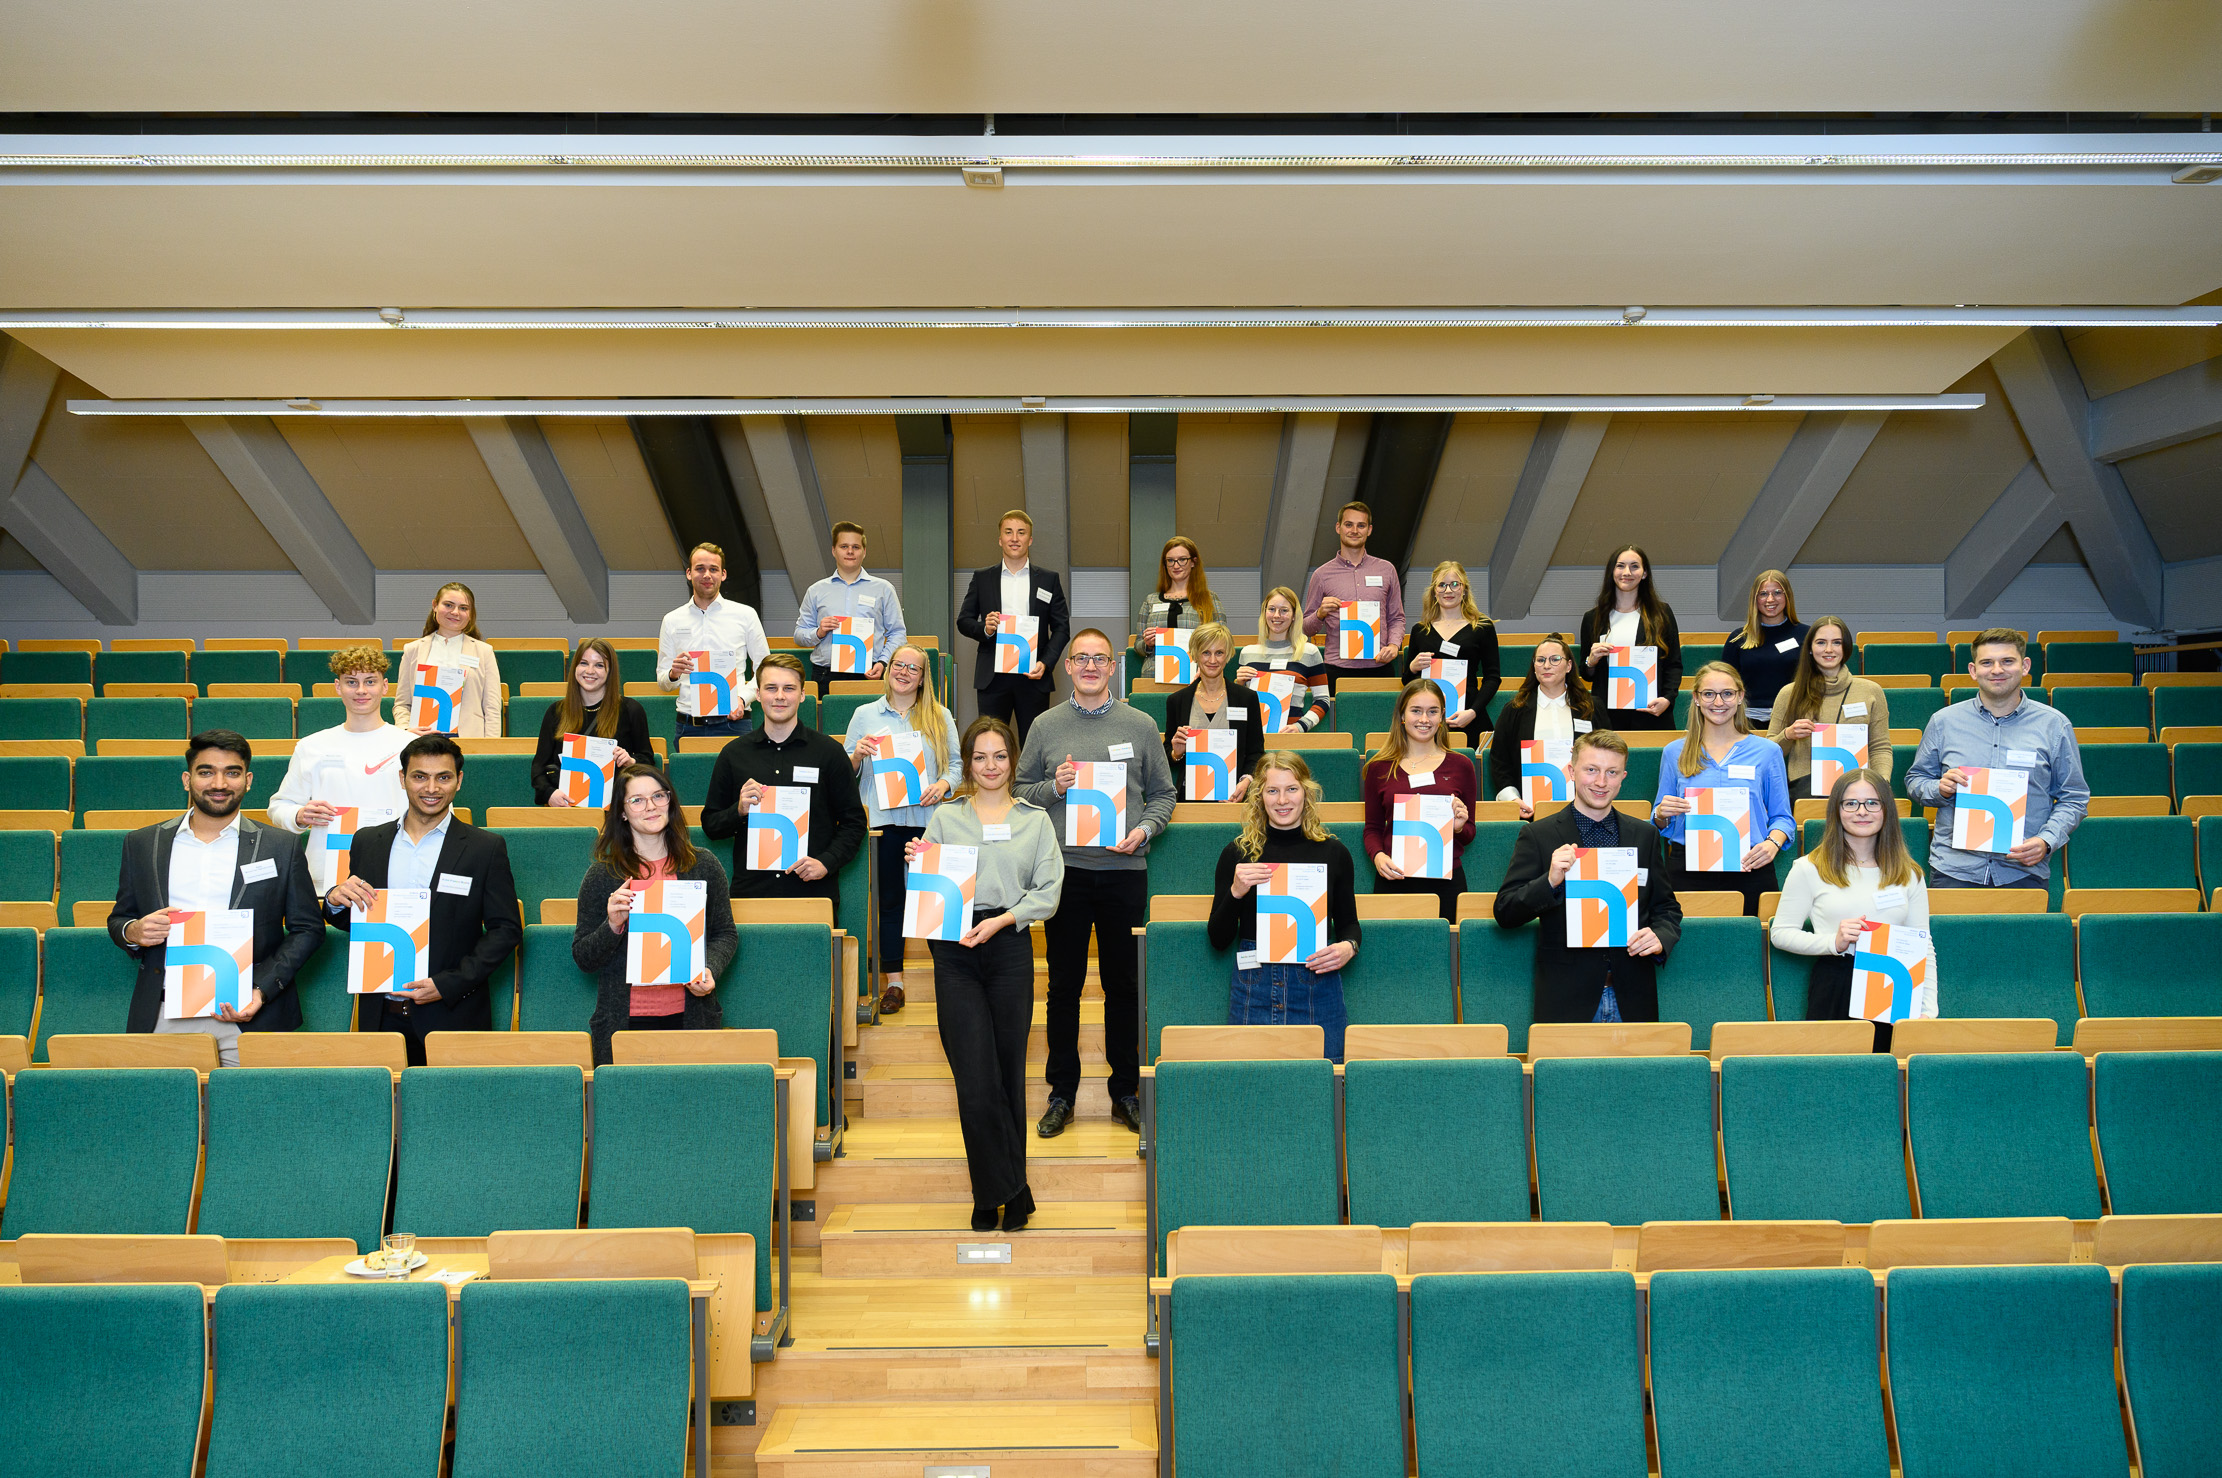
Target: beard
[[211, 808]]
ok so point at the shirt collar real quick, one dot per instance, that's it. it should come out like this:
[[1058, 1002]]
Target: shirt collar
[[185, 828], [717, 603], [436, 834], [1109, 699], [764, 739], [1008, 572], [862, 575], [1347, 562], [2021, 701]]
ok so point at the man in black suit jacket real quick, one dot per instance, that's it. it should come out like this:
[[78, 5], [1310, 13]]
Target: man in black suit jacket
[[1015, 698], [1571, 984], [475, 923], [227, 861]]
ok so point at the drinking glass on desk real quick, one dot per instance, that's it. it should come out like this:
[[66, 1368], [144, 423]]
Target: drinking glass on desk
[[401, 1249]]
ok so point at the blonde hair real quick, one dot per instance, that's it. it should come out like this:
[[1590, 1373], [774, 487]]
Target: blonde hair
[[1211, 634], [368, 657], [1251, 843], [1832, 858], [1749, 631], [1392, 747], [1199, 585], [1296, 638], [1015, 515], [1466, 606], [432, 617], [927, 717], [1693, 740]]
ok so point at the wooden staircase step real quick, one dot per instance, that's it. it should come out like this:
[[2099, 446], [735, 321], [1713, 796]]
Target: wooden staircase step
[[1017, 1439], [922, 1159], [897, 1090], [914, 1034], [1064, 1239]]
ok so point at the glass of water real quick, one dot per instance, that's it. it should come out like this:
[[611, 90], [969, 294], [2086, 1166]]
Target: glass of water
[[401, 1250]]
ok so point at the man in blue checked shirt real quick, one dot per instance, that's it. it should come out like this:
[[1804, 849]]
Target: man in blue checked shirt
[[2001, 728], [849, 591]]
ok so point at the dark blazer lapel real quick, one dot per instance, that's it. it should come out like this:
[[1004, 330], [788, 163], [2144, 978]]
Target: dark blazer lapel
[[164, 836]]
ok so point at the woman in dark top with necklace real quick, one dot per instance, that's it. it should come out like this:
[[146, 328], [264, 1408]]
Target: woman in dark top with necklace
[[1454, 627], [1211, 702], [1413, 761], [1764, 650], [589, 707], [1282, 825], [1629, 613]]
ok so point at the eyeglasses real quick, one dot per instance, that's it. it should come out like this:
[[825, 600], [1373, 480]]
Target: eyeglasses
[[648, 802], [1090, 660], [910, 667], [1863, 806], [1178, 559], [1715, 695]]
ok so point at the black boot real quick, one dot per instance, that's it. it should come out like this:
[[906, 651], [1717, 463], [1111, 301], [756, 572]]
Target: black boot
[[983, 1217], [1017, 1209]]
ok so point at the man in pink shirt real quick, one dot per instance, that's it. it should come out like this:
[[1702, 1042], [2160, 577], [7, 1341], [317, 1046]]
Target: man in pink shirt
[[1354, 576]]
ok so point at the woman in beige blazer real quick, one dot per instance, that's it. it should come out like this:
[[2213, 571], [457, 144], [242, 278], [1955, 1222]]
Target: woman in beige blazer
[[451, 640], [1824, 692]]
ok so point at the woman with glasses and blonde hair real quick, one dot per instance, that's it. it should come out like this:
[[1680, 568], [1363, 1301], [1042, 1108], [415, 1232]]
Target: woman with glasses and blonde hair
[[1721, 753], [1280, 825], [1453, 627], [644, 840], [1553, 703], [1211, 703], [1764, 650], [451, 640], [1859, 874], [587, 708], [1413, 761], [1182, 599], [1282, 647], [906, 705]]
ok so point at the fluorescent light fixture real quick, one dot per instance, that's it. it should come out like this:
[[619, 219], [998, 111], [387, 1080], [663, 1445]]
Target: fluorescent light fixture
[[1080, 405]]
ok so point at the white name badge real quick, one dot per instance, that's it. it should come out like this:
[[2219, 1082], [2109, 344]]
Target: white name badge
[[1643, 877], [1581, 726], [1787, 644], [456, 883], [1279, 664], [2021, 756], [259, 872], [1238, 715], [1041, 594], [471, 662], [995, 831], [1246, 959], [1855, 710], [806, 774], [1422, 782], [1890, 898], [1450, 649], [1122, 751], [1373, 579], [1743, 772]]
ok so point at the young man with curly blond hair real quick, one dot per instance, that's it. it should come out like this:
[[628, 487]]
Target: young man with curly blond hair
[[356, 763]]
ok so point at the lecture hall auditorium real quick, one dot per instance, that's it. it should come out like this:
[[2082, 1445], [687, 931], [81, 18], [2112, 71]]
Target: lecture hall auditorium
[[553, 559]]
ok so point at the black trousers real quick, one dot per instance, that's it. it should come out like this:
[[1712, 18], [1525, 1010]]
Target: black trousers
[[1751, 884], [412, 1035], [984, 1001], [1114, 904], [1629, 720], [891, 864], [1016, 700], [1828, 994]]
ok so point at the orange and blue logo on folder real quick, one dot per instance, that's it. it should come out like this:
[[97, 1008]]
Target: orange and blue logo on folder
[[1359, 631], [898, 779], [1171, 662], [1836, 748], [1209, 771], [434, 694], [1601, 898], [1095, 807], [1292, 913], [1420, 833], [664, 935], [1014, 641], [585, 765], [1890, 964], [1717, 831], [852, 646], [1631, 677], [1276, 694], [209, 961], [389, 943], [713, 688], [779, 828], [938, 891], [1542, 774], [1990, 813]]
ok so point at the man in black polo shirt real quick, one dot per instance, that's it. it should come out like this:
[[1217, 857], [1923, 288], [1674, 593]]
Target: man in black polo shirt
[[782, 751]]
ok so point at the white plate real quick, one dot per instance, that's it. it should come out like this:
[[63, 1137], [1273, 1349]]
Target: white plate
[[416, 1260]]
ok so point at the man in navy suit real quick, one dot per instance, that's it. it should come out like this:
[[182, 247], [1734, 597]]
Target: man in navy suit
[[1016, 586]]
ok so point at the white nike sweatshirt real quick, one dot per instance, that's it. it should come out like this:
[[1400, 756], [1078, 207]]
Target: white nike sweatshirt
[[344, 769]]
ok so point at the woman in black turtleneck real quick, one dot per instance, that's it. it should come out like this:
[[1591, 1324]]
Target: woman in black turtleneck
[[1282, 825], [593, 706]]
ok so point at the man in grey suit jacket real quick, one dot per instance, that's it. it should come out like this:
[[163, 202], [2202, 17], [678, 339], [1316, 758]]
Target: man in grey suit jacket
[[211, 857]]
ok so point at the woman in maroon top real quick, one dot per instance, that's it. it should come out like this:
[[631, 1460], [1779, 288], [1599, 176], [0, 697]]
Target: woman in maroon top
[[1413, 761]]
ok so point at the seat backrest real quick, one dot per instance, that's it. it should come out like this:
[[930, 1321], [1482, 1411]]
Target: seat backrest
[[2186, 708], [487, 1149], [2171, 1363], [299, 1152], [645, 1175], [1403, 1168], [2090, 656], [2157, 1113], [321, 988], [531, 1396], [103, 1379], [27, 866], [34, 782], [1212, 1170], [2151, 964], [90, 862], [501, 780], [2016, 1363], [781, 980], [1749, 1366], [1403, 975], [2001, 1134], [2011, 965], [19, 981], [46, 667], [1813, 1138], [2126, 769], [129, 782], [1185, 979], [88, 985], [1717, 973], [553, 993], [2134, 852], [237, 667], [1542, 1372], [276, 1349], [1496, 976], [1184, 858], [1489, 854], [254, 718], [135, 718], [547, 861], [2106, 708], [1224, 1330], [104, 1150], [42, 718], [1338, 772], [1625, 1139]]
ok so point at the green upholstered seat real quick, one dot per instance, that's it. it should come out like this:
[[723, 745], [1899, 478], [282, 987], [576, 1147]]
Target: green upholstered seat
[[546, 861], [690, 776], [19, 980], [2198, 771], [2156, 1114], [1912, 708], [2134, 852], [2126, 769], [1625, 1140], [42, 718], [553, 993], [781, 980], [105, 1379], [1933, 659], [1813, 1138], [89, 865], [2166, 964], [1359, 714], [531, 665], [1717, 973], [2169, 1322], [521, 718], [104, 1150], [152, 782], [251, 718], [2105, 708], [1216, 1168], [239, 667], [1184, 980], [489, 1149], [2186, 708], [1404, 1169], [321, 988], [2090, 656], [137, 667], [136, 718], [27, 866], [1340, 773], [1184, 857], [1496, 977], [46, 667], [499, 780], [1401, 975], [1489, 854], [34, 782], [298, 1152], [87, 986], [2007, 965], [2001, 1134]]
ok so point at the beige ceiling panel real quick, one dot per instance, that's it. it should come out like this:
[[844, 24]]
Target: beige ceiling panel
[[859, 464], [141, 364], [1224, 485], [989, 478], [150, 488], [602, 463], [874, 56], [415, 494], [2060, 549], [2179, 490], [1473, 487], [1095, 483], [2111, 359], [1084, 240], [1926, 478], [1679, 485]]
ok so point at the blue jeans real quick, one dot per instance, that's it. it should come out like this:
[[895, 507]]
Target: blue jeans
[[724, 728], [1289, 995]]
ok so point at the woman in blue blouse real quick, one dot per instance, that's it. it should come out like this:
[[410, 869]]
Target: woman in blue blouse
[[1721, 752], [907, 706]]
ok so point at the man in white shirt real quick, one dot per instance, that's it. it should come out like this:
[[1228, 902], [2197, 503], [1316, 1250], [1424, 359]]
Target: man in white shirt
[[849, 591], [356, 764], [708, 622], [1015, 586], [212, 858]]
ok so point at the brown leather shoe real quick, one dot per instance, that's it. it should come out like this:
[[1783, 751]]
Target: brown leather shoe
[[891, 1000]]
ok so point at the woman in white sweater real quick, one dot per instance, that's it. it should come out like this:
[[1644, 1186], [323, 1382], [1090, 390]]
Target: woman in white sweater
[[451, 640], [1860, 873]]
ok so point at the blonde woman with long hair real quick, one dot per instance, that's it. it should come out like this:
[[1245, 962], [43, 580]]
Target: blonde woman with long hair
[[1861, 872], [1282, 647], [1452, 626], [591, 705], [1764, 650], [451, 640], [1721, 752], [1412, 760], [1281, 825], [906, 705]]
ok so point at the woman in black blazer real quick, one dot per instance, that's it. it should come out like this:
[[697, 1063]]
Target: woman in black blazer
[[644, 839], [1453, 626], [1629, 613], [1552, 684], [1210, 702]]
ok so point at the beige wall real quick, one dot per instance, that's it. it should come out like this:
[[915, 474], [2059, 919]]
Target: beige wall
[[1676, 484], [416, 494], [988, 478], [1474, 484], [860, 474], [1223, 485], [1096, 485], [602, 463]]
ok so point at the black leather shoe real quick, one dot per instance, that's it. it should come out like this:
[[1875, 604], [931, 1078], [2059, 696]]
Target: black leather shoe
[[1055, 1119], [1128, 1111]]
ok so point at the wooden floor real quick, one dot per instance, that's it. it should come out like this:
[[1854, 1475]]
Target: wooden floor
[[909, 1351]]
